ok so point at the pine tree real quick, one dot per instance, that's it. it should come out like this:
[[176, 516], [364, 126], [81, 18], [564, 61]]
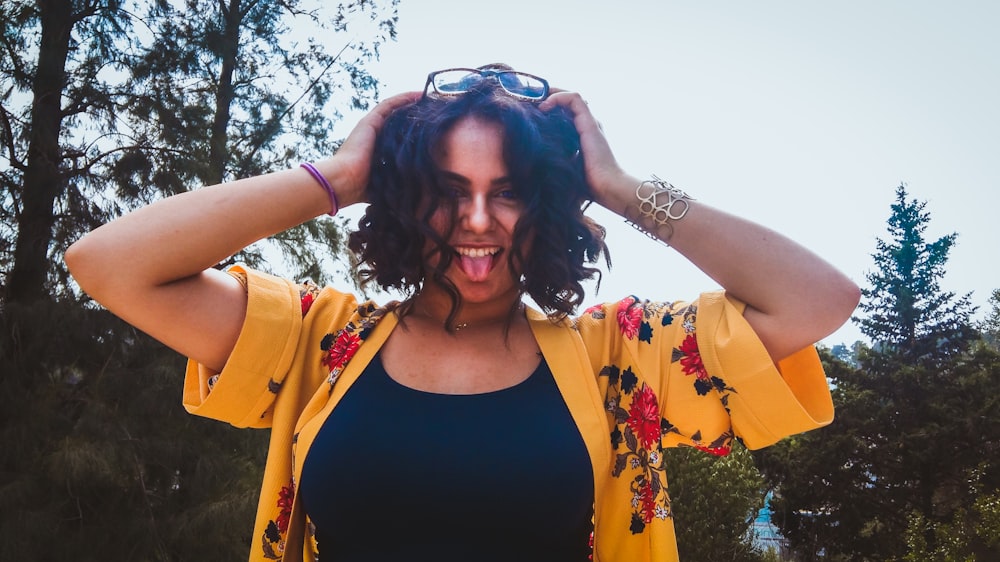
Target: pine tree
[[990, 326], [100, 461], [906, 314], [915, 414], [238, 88], [101, 114], [54, 109]]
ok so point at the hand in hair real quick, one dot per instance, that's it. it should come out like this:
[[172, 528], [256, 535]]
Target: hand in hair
[[602, 169], [355, 153]]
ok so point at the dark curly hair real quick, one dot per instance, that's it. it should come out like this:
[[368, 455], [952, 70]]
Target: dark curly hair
[[541, 150]]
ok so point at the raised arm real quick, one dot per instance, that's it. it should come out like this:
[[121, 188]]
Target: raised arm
[[794, 298], [153, 267]]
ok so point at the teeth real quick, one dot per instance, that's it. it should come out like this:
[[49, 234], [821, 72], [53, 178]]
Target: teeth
[[478, 252]]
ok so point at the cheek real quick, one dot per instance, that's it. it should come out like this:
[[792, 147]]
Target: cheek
[[509, 216], [440, 222], [527, 244]]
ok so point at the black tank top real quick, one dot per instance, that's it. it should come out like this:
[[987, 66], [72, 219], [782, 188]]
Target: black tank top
[[401, 474]]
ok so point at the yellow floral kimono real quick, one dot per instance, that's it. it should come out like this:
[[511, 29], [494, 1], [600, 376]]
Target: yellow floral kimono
[[637, 376]]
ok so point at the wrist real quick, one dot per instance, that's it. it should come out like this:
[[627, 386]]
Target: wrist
[[655, 207], [325, 185], [618, 194], [348, 186]]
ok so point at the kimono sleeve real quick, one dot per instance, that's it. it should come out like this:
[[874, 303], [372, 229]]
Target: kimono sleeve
[[263, 353], [765, 401], [700, 371]]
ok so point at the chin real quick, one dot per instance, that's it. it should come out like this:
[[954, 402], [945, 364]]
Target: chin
[[484, 297], [482, 292]]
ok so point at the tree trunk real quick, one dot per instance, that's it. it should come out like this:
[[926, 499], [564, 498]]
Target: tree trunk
[[43, 182], [219, 143]]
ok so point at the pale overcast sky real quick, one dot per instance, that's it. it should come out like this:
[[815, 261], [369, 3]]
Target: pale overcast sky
[[801, 115]]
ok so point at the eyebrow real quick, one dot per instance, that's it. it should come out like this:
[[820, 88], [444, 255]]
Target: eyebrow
[[459, 178]]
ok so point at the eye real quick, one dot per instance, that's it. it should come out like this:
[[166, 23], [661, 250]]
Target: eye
[[453, 191], [506, 191]]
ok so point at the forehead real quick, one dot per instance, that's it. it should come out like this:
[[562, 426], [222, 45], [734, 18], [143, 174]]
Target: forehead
[[471, 138]]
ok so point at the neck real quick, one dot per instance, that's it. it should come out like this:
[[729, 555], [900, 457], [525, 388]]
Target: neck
[[436, 306]]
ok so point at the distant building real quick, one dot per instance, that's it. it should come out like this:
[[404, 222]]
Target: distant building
[[765, 534]]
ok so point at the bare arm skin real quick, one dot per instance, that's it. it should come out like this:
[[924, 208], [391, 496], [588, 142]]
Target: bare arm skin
[[153, 267], [794, 298]]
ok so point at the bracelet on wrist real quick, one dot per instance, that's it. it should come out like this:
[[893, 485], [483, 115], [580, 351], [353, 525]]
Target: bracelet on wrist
[[660, 204], [321, 179]]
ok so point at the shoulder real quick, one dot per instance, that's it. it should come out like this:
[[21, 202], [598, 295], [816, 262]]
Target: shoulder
[[635, 319], [280, 305]]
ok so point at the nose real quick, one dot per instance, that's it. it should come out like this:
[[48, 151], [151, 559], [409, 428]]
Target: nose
[[475, 214]]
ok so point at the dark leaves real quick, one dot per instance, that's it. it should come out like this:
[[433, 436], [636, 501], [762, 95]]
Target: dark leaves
[[645, 332], [621, 461], [638, 525], [610, 371], [327, 342], [616, 438], [702, 386], [629, 380]]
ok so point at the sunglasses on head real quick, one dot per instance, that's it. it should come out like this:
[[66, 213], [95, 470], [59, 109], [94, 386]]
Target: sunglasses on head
[[457, 81]]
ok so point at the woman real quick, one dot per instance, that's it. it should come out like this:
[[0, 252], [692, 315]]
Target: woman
[[462, 424]]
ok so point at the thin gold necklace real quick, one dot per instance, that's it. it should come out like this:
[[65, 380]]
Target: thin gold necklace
[[461, 325], [419, 311]]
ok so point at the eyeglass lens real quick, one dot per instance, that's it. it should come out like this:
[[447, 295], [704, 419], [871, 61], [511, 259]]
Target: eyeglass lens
[[516, 83]]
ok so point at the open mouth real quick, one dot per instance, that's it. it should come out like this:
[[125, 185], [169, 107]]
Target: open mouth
[[477, 263]]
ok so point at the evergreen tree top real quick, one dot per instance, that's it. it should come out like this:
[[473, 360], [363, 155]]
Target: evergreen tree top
[[904, 311]]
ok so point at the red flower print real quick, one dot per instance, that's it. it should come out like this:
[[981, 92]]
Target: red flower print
[[629, 317], [647, 502], [644, 416], [342, 350], [307, 302], [285, 498], [691, 362], [717, 451]]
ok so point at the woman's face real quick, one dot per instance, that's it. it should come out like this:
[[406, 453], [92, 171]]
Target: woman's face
[[470, 159]]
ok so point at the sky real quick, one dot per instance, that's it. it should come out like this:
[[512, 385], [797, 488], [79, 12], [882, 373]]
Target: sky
[[801, 115]]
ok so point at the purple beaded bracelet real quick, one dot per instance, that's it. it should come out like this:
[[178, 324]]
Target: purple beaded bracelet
[[334, 204]]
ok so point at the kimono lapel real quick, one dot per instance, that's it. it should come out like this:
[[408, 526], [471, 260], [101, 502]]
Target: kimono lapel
[[566, 355]]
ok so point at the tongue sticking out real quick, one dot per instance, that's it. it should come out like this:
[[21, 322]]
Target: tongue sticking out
[[477, 269]]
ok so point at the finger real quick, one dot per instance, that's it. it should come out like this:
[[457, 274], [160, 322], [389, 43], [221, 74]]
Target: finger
[[570, 100], [372, 122], [583, 119], [392, 103]]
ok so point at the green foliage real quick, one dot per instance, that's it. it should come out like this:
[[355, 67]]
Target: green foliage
[[989, 328], [111, 104], [972, 533], [902, 442], [99, 461], [917, 413], [107, 105], [239, 88], [906, 313], [58, 104], [714, 501]]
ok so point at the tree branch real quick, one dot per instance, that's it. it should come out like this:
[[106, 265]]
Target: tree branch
[[18, 71], [312, 84], [91, 162], [11, 145]]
